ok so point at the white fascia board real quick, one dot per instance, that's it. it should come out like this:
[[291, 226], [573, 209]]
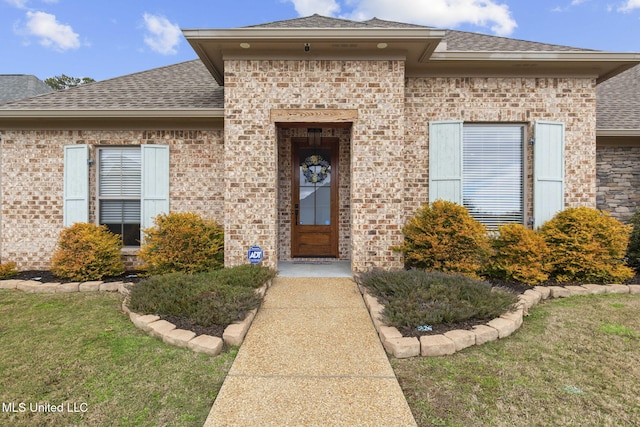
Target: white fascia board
[[617, 132], [264, 34], [573, 56]]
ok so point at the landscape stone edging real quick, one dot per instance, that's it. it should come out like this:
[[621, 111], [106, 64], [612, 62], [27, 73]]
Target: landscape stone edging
[[151, 324], [501, 327]]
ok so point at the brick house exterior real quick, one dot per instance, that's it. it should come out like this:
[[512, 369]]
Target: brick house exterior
[[240, 136]]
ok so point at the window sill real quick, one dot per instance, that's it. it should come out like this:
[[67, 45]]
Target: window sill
[[130, 250]]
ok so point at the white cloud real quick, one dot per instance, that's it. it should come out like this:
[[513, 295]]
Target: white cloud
[[20, 4], [629, 6], [322, 7], [569, 6], [51, 32], [440, 13], [163, 36]]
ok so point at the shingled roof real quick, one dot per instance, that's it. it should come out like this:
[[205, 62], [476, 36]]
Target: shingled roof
[[455, 40], [618, 101], [187, 85], [18, 86]]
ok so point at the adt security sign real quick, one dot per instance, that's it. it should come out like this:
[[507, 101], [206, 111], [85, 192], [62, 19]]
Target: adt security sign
[[255, 255]]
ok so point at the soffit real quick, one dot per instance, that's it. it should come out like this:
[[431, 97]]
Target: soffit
[[423, 49], [216, 46]]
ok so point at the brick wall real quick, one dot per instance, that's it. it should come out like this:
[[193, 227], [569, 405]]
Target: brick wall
[[375, 89], [238, 175], [32, 182], [504, 100], [618, 180]]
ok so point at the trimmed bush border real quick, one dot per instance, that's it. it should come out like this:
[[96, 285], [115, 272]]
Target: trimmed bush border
[[151, 324], [501, 327]]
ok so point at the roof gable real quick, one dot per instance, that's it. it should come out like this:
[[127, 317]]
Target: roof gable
[[18, 86], [313, 21], [455, 40], [618, 102], [426, 51]]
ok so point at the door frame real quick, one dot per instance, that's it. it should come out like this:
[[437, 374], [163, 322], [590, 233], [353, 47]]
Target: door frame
[[332, 230]]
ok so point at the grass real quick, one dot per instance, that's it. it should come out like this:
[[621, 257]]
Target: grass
[[574, 362], [81, 349]]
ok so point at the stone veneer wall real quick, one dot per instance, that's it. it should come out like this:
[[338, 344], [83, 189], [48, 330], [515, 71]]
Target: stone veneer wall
[[32, 182], [376, 89], [618, 180], [505, 100], [284, 189]]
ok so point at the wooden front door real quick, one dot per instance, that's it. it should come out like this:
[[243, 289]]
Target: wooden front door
[[314, 231]]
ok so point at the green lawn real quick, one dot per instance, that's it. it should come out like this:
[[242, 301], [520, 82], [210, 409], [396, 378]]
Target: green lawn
[[574, 362], [81, 351]]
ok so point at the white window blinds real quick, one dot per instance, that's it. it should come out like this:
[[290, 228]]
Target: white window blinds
[[119, 185], [493, 188]]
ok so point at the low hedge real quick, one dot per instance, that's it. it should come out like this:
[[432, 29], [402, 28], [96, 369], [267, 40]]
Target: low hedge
[[218, 297], [414, 298]]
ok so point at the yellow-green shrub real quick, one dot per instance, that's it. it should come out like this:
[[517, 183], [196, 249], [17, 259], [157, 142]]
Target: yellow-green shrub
[[519, 254], [587, 246], [182, 242], [87, 252], [443, 236], [8, 270]]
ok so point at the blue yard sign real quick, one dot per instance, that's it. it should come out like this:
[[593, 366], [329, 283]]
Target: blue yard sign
[[255, 255]]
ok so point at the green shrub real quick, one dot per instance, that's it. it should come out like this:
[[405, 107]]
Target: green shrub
[[87, 252], [519, 254], [182, 242], [444, 237], [8, 270], [633, 251], [217, 297], [224, 304], [247, 275], [415, 297], [587, 246]]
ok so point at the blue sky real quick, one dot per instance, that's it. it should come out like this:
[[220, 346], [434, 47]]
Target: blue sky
[[109, 38]]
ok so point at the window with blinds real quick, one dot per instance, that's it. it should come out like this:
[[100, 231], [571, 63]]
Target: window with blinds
[[493, 177], [119, 192]]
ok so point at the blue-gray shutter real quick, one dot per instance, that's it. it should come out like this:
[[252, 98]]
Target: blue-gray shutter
[[445, 161], [548, 174], [76, 184], [155, 183]]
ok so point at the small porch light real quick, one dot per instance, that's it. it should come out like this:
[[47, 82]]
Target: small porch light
[[382, 45], [245, 45]]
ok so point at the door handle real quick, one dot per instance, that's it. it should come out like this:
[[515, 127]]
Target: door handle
[[296, 211]]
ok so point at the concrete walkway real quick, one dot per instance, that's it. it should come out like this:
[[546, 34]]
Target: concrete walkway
[[311, 358]]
